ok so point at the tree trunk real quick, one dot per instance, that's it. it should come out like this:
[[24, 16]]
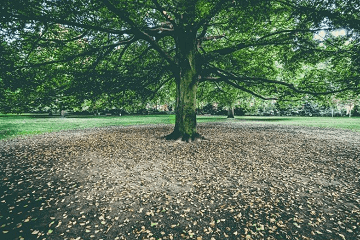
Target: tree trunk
[[351, 106], [186, 87], [185, 120], [231, 112]]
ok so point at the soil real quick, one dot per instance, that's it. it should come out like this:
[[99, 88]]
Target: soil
[[245, 181]]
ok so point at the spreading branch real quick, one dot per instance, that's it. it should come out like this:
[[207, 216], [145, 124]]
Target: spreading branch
[[231, 83], [72, 57], [138, 32], [263, 42], [47, 19], [226, 76], [228, 50], [212, 38], [164, 11], [294, 31], [215, 10], [123, 15], [66, 40]]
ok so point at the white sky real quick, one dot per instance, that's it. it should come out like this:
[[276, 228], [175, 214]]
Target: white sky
[[321, 34]]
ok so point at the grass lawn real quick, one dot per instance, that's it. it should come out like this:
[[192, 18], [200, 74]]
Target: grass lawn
[[12, 125], [352, 123]]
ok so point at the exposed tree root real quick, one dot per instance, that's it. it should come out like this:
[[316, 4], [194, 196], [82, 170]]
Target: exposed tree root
[[177, 136]]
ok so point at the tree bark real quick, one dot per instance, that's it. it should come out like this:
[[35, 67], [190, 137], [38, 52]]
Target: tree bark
[[186, 88], [185, 119], [231, 112]]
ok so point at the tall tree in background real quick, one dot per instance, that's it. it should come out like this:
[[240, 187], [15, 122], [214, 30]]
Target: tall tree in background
[[115, 45]]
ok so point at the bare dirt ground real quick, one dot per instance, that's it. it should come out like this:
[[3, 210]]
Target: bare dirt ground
[[247, 181]]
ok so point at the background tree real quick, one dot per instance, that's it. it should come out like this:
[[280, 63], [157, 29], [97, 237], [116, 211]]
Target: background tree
[[114, 45], [222, 94]]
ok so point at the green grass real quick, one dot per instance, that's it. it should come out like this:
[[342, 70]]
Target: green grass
[[352, 123], [13, 125], [27, 124]]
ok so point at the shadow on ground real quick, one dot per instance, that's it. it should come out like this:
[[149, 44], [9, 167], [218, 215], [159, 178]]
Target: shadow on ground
[[244, 182]]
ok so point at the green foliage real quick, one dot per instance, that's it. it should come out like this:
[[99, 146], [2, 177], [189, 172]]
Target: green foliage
[[119, 54]]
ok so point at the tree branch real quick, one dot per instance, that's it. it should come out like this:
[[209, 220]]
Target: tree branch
[[67, 40], [141, 55], [226, 80], [162, 10], [159, 32], [100, 58], [123, 52], [157, 47], [203, 32], [35, 44], [138, 32], [159, 87], [212, 37], [229, 75], [216, 9], [70, 58], [46, 19], [240, 46], [260, 42], [120, 13], [295, 31]]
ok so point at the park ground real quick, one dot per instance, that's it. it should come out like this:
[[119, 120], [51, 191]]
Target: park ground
[[252, 178]]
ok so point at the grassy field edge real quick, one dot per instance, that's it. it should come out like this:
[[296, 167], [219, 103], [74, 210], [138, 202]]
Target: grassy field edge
[[12, 126]]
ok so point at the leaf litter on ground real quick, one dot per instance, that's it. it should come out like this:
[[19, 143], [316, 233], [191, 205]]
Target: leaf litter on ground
[[246, 182]]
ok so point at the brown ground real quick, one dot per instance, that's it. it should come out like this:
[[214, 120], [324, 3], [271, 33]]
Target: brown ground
[[247, 181]]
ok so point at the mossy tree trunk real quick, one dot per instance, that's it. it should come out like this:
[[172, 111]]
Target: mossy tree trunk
[[186, 87], [185, 121]]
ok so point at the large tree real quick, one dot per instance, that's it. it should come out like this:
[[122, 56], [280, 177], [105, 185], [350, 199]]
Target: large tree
[[114, 45]]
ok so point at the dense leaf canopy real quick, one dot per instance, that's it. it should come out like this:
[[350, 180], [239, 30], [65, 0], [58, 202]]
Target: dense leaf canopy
[[84, 48]]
